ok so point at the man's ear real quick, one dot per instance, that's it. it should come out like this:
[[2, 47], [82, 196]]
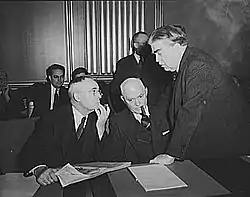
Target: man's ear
[[50, 77], [76, 97]]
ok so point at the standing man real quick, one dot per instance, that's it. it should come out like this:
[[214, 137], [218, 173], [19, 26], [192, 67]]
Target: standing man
[[208, 117], [140, 64], [52, 94], [72, 133], [139, 132]]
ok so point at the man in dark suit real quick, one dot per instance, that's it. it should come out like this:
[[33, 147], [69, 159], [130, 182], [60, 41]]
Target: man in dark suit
[[208, 117], [141, 64], [52, 94], [139, 132], [72, 133]]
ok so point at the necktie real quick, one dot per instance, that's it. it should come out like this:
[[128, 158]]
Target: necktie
[[80, 128], [145, 121], [56, 99], [141, 61]]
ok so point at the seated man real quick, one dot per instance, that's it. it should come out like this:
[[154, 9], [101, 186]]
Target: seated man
[[51, 94], [71, 133], [139, 132], [10, 105]]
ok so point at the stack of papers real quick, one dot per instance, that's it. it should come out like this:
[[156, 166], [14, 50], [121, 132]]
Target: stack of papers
[[72, 174], [156, 177]]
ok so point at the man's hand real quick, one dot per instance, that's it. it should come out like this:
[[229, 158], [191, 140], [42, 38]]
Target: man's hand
[[46, 177], [102, 114], [163, 159]]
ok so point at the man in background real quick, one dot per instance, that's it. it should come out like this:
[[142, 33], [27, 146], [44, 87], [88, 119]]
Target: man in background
[[140, 132], [4, 96], [52, 94], [72, 133], [207, 115], [140, 64], [80, 72]]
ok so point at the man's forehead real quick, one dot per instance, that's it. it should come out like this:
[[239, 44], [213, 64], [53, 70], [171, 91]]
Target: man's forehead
[[141, 38], [159, 44], [57, 72], [88, 84]]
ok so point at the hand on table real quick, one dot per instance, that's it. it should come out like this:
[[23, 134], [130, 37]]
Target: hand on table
[[163, 159], [46, 177]]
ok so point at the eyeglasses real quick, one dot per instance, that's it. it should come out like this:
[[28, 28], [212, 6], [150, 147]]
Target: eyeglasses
[[94, 92]]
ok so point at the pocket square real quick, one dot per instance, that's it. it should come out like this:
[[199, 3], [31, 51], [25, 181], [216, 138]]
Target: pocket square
[[165, 132]]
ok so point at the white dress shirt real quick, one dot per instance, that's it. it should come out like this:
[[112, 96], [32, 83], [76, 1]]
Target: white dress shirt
[[139, 116]]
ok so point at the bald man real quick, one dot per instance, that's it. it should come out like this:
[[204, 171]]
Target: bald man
[[134, 140], [70, 134]]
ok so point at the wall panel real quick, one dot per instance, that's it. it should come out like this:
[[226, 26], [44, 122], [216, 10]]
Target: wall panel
[[32, 36], [102, 31]]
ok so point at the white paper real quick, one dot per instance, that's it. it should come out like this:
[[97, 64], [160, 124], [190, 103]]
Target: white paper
[[156, 177], [72, 174]]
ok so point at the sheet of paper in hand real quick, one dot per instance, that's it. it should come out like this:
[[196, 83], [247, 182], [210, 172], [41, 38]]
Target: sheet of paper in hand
[[69, 174]]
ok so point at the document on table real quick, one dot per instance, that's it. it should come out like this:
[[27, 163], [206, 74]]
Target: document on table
[[69, 174], [156, 177]]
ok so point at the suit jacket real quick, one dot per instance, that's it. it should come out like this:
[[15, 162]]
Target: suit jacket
[[54, 141], [126, 144], [208, 116], [41, 95], [152, 75]]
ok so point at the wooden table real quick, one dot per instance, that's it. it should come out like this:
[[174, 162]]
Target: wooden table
[[15, 185], [201, 181]]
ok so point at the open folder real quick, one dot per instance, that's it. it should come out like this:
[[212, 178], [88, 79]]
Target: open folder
[[156, 177]]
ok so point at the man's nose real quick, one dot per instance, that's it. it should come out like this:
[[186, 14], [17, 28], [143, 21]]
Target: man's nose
[[137, 102]]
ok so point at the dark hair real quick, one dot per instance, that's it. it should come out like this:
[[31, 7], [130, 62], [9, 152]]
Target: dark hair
[[176, 33], [137, 34], [78, 71], [52, 67]]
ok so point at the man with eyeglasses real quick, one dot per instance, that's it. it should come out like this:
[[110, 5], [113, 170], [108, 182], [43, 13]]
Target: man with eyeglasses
[[141, 64], [72, 134], [140, 132]]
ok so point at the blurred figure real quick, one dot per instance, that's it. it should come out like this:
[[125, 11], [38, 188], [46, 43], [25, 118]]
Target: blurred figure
[[140, 64], [4, 96], [72, 133], [80, 72], [139, 132], [50, 95], [207, 116]]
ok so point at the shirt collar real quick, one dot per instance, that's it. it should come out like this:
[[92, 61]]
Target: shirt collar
[[78, 117], [179, 62], [137, 57], [53, 89], [139, 116]]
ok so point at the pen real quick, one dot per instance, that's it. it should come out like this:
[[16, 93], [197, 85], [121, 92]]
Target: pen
[[133, 175]]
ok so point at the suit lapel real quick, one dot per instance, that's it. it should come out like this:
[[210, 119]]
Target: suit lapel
[[178, 89]]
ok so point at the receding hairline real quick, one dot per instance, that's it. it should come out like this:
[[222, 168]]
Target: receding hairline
[[77, 87], [128, 81]]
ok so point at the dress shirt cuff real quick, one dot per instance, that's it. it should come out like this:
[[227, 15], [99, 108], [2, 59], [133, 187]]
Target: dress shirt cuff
[[32, 171]]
